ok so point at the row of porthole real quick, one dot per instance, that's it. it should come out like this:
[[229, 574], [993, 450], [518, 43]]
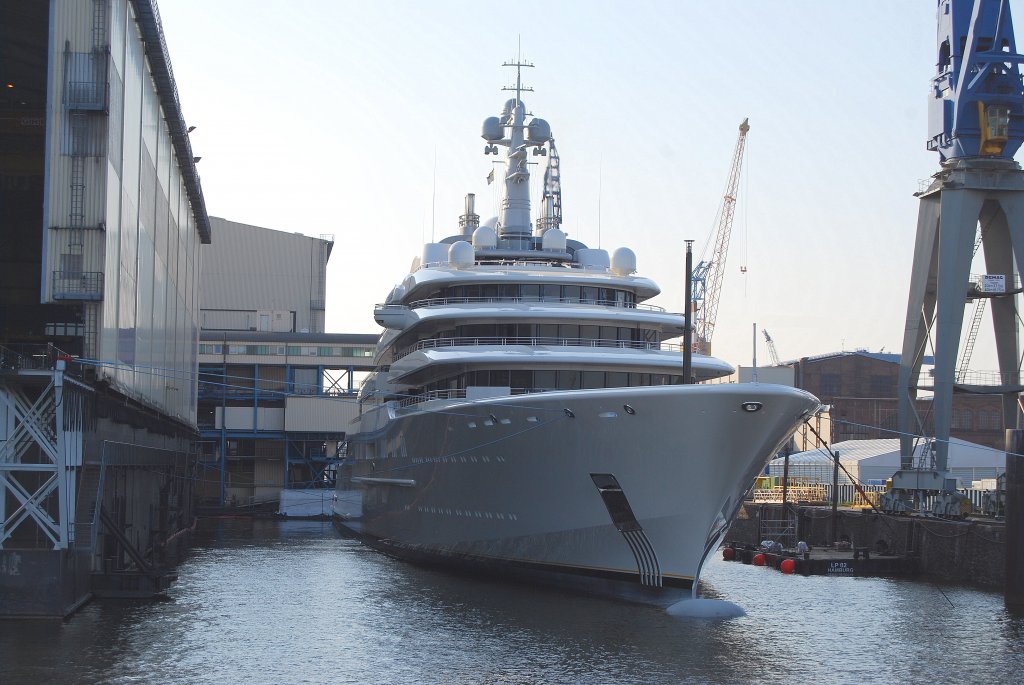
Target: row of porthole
[[492, 421], [466, 513], [533, 419], [455, 460]]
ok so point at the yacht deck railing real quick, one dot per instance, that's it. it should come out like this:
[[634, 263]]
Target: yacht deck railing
[[443, 301], [434, 343], [459, 394]]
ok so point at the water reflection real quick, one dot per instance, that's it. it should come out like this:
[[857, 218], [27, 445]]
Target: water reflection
[[268, 602]]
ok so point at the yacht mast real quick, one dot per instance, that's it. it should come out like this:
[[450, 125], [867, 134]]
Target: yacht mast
[[512, 131]]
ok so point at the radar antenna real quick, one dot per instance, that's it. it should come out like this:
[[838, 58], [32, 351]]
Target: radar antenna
[[519, 88], [511, 130]]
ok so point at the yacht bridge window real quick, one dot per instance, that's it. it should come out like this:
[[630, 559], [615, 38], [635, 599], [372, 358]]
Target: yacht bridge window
[[523, 381], [571, 334], [530, 292]]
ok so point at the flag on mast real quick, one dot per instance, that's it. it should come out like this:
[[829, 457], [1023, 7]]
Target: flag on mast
[[490, 177]]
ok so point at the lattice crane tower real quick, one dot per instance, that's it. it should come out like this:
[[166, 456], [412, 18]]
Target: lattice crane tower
[[708, 274], [772, 352]]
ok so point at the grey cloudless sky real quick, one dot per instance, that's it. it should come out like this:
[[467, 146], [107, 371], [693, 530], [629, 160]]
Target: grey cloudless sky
[[362, 120]]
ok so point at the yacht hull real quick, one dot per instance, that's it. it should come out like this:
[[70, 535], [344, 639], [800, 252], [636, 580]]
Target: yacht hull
[[621, 492]]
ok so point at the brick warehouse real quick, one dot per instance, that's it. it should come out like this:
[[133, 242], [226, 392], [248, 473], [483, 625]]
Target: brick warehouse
[[861, 388]]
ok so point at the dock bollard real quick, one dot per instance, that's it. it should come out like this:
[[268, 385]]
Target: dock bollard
[[1014, 592]]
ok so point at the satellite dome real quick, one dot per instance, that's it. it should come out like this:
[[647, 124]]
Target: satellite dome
[[484, 238], [507, 109], [461, 254], [554, 239], [623, 261], [539, 131], [592, 258], [492, 129], [435, 254]]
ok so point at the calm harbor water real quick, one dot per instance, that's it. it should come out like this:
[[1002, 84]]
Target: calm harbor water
[[293, 602]]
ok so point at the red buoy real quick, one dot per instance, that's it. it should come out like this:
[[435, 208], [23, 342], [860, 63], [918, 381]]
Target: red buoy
[[728, 553], [758, 560], [787, 566]]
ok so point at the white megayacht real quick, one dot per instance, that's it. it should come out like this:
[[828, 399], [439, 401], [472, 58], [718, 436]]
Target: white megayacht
[[528, 419]]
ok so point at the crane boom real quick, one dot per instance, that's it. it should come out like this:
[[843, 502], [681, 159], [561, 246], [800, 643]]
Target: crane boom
[[772, 352], [708, 275]]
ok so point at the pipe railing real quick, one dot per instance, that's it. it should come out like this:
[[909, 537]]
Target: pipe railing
[[444, 301], [434, 343]]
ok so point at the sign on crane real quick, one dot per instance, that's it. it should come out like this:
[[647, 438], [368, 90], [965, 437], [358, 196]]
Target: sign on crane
[[708, 274]]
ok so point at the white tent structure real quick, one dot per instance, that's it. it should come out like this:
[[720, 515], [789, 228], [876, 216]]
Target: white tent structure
[[873, 461]]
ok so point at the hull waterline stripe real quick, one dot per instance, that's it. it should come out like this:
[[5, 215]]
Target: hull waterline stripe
[[500, 565], [400, 482]]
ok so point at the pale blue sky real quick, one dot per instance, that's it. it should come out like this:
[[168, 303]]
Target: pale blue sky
[[326, 117]]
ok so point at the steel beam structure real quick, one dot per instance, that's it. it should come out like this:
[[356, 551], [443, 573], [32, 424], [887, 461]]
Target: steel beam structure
[[40, 452], [976, 124]]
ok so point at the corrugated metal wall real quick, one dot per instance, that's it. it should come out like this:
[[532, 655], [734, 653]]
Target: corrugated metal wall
[[269, 479], [320, 414], [77, 141], [117, 208], [249, 268]]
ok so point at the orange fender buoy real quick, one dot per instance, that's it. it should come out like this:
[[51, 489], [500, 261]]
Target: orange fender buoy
[[728, 553], [787, 566], [758, 560]]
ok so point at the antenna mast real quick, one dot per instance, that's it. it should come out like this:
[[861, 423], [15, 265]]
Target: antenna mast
[[511, 130]]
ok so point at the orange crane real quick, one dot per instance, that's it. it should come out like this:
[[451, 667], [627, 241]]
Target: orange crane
[[708, 274]]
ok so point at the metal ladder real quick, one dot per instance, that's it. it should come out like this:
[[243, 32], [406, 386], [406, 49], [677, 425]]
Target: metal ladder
[[979, 311], [972, 336]]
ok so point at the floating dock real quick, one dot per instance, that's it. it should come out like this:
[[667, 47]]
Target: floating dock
[[971, 551], [826, 562]]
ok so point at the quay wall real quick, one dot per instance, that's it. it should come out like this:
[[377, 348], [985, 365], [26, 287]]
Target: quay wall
[[43, 583], [971, 552]]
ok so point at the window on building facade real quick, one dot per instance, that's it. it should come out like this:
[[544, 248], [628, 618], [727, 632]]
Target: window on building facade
[[882, 386], [961, 419], [831, 384]]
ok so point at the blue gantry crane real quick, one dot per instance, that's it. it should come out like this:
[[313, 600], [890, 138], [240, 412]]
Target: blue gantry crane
[[976, 124]]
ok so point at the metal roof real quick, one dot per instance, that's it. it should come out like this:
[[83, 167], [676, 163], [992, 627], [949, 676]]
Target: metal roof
[[880, 356], [272, 337], [962, 453], [148, 17]]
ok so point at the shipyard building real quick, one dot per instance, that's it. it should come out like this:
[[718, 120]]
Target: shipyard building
[[276, 393], [103, 218], [859, 389]]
